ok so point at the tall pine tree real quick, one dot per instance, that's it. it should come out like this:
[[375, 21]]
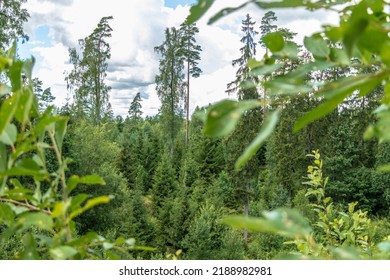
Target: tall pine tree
[[191, 52], [89, 72]]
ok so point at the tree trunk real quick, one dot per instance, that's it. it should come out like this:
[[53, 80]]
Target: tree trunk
[[188, 101], [248, 187]]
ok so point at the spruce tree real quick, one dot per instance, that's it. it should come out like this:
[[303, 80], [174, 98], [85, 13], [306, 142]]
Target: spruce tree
[[248, 50], [170, 82]]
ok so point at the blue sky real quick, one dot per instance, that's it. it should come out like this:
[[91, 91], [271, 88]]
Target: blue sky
[[138, 26], [175, 3]]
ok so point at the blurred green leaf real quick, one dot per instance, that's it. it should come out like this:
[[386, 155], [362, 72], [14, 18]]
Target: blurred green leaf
[[63, 253], [225, 12], [7, 111], [289, 50], [15, 75], [30, 248], [266, 130], [355, 27], [39, 220], [336, 92], [274, 41], [9, 134], [223, 116], [384, 246], [284, 221], [198, 10], [86, 180], [60, 131], [7, 216], [317, 46], [22, 112], [89, 204]]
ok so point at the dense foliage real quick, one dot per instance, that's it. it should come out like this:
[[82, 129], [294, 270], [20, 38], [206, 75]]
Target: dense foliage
[[224, 184]]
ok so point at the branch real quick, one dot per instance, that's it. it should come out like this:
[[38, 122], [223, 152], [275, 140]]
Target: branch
[[27, 205]]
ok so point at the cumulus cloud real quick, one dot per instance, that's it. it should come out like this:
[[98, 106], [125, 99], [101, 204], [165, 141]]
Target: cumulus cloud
[[138, 26]]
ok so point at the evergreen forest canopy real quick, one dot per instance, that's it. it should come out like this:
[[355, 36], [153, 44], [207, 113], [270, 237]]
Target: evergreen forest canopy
[[296, 168]]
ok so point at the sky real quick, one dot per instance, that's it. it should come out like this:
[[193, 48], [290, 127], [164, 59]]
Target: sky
[[138, 26]]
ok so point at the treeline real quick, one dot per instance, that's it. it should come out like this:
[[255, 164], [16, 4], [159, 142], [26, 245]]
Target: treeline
[[171, 185], [171, 194]]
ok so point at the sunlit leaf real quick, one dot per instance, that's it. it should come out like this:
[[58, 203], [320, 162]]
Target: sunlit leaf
[[384, 246], [63, 253], [274, 41], [40, 220], [6, 214]]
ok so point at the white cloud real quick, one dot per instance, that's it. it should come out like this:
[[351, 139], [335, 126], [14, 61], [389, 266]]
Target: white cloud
[[138, 26]]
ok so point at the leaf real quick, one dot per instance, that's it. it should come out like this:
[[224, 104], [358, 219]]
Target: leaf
[[336, 92], [198, 10], [265, 132], [87, 180], [30, 248], [282, 221], [384, 246], [40, 220], [63, 253], [7, 216], [289, 50], [25, 167], [7, 111], [9, 134], [317, 46], [77, 200], [24, 105], [223, 116], [15, 75], [89, 204], [60, 131], [225, 12], [274, 41], [355, 27]]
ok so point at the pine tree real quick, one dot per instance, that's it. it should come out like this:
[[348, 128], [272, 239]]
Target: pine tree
[[191, 52], [86, 79], [135, 107]]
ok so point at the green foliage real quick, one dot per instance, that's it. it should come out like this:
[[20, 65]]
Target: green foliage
[[86, 80], [41, 219], [12, 18], [337, 228]]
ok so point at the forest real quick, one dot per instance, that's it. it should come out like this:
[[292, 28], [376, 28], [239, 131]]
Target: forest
[[293, 164]]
